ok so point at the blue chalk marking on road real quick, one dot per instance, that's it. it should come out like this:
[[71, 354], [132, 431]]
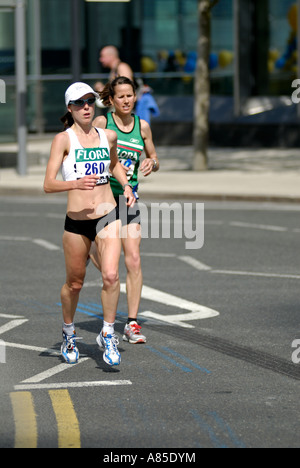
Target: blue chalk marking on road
[[167, 358], [187, 360]]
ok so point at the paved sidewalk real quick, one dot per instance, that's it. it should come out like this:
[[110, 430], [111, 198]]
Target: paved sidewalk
[[234, 174]]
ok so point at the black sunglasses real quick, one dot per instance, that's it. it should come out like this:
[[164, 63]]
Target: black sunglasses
[[81, 102]]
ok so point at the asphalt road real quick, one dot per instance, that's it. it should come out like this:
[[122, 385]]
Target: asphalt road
[[219, 368]]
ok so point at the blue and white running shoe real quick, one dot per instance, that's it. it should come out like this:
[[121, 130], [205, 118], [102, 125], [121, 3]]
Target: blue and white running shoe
[[69, 350], [109, 343]]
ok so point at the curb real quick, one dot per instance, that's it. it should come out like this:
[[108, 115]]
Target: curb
[[201, 197], [222, 197]]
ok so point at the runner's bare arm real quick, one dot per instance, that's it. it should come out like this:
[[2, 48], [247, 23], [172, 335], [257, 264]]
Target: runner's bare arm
[[151, 163]]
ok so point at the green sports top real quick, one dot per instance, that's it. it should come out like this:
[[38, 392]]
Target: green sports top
[[130, 147]]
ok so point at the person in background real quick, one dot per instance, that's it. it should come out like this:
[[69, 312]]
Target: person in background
[[134, 136], [146, 105], [109, 58]]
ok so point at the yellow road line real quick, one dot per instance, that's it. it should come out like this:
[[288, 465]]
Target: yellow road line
[[67, 422], [25, 420]]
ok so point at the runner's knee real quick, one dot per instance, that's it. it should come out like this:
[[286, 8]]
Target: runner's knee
[[110, 278], [133, 262], [75, 287]]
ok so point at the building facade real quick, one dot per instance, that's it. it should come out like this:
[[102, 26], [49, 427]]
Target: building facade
[[253, 59]]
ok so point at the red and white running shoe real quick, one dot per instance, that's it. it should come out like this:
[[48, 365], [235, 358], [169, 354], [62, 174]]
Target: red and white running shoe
[[132, 333]]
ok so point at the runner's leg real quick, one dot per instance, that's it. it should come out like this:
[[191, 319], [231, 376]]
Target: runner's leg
[[108, 245], [131, 240], [76, 249]]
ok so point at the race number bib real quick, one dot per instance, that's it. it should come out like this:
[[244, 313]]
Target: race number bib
[[90, 161]]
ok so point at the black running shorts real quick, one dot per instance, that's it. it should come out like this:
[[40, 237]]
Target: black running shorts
[[128, 215], [91, 227]]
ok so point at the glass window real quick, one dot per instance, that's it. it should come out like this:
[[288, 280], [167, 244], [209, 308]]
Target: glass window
[[222, 48], [7, 43], [159, 25], [7, 67], [105, 24], [56, 36], [282, 60], [170, 36]]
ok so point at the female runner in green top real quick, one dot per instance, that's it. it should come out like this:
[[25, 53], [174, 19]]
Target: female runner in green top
[[134, 136]]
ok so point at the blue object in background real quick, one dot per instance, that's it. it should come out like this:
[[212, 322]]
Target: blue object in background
[[146, 107]]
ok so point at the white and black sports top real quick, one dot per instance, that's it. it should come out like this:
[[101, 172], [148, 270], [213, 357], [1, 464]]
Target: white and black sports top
[[81, 161]]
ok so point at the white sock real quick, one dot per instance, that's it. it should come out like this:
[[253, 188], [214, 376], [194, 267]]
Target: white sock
[[69, 328], [108, 328]]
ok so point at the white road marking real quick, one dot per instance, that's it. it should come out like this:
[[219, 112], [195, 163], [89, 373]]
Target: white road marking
[[252, 273], [41, 242], [158, 255], [179, 319], [12, 324], [196, 311], [103, 383], [167, 299], [194, 263], [32, 348], [258, 226], [53, 371], [47, 245], [93, 284], [11, 316]]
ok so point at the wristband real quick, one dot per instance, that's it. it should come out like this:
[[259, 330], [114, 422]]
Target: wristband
[[128, 184]]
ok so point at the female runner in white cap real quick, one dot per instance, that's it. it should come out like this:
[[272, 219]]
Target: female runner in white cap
[[87, 156]]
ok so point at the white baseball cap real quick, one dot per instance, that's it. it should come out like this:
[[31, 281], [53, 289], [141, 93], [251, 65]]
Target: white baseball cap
[[77, 90]]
